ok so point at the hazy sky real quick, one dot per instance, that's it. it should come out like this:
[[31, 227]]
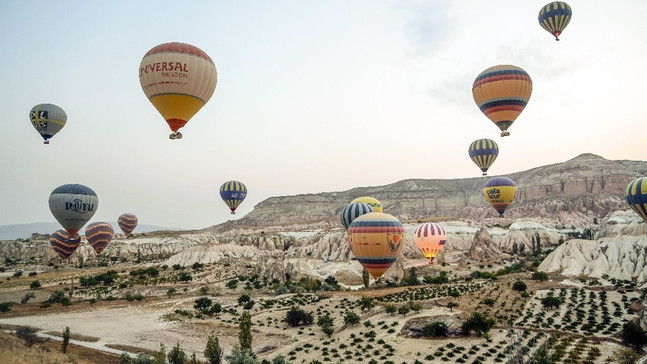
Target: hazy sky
[[312, 96]]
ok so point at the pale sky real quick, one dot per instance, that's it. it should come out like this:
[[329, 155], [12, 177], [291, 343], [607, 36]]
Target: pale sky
[[312, 96]]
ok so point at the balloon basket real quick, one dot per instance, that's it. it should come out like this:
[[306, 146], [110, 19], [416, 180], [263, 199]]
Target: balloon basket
[[485, 174], [233, 213], [175, 135], [505, 133], [46, 142]]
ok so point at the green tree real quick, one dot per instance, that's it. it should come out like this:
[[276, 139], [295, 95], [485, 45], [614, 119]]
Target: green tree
[[170, 292], [160, 356], [176, 355], [326, 324], [296, 316], [66, 339], [351, 318], [202, 304], [213, 351], [240, 355], [633, 336], [489, 302], [404, 310], [35, 285], [245, 330], [28, 334], [435, 329], [412, 278], [366, 303], [366, 278], [519, 286], [232, 284], [185, 277], [5, 306], [477, 323], [451, 305], [27, 297], [391, 309], [540, 276], [515, 248], [626, 356], [551, 302], [244, 298]]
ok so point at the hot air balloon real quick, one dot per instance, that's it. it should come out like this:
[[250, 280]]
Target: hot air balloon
[[233, 193], [430, 238], [376, 240], [73, 205], [502, 92], [554, 17], [99, 235], [63, 243], [178, 79], [483, 153], [352, 211], [499, 191], [127, 222], [48, 119], [373, 202], [636, 195]]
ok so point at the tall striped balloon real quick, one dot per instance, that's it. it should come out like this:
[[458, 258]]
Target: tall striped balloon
[[99, 235], [483, 153], [352, 211], [73, 205], [371, 201], [554, 17], [636, 196], [127, 223], [48, 119], [499, 192], [233, 193], [502, 92], [376, 240], [430, 238], [63, 243], [178, 79]]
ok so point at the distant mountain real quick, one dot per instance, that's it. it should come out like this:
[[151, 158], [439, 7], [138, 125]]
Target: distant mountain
[[24, 231]]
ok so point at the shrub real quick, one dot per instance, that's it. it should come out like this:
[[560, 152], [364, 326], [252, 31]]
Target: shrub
[[296, 316], [435, 329]]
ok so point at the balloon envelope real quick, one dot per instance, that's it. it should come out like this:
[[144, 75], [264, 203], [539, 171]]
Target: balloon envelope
[[502, 92], [178, 79], [73, 205], [63, 243], [499, 192], [376, 240], [430, 238], [483, 153], [636, 196], [48, 119], [352, 211], [554, 17], [99, 235], [371, 201], [233, 193], [127, 223]]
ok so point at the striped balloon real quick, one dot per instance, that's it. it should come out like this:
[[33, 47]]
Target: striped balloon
[[430, 238], [233, 193], [499, 191], [48, 119], [371, 201], [483, 153], [127, 223], [554, 17], [376, 240], [178, 79], [636, 196], [64, 244], [353, 211], [502, 92], [73, 205], [99, 235]]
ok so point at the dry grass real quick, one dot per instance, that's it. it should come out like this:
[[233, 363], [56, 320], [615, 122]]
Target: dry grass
[[73, 336]]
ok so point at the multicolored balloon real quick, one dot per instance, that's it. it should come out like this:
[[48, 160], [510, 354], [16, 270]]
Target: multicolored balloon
[[376, 240], [63, 243], [483, 153], [371, 201], [233, 193], [178, 79], [73, 205], [430, 238], [127, 223], [502, 92], [354, 210], [48, 119], [99, 235], [636, 196], [554, 17], [499, 192]]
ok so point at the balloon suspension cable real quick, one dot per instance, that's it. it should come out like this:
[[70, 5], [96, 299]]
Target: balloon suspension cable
[[175, 135]]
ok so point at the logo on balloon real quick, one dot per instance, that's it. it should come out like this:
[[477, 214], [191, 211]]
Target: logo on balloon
[[79, 206], [394, 243], [494, 193]]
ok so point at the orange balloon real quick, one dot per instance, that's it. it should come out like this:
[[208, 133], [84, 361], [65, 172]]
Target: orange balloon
[[430, 239]]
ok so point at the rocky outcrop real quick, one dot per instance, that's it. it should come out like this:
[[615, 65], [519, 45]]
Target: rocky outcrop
[[483, 247], [413, 328]]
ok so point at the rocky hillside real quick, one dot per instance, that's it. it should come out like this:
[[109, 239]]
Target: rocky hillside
[[562, 195]]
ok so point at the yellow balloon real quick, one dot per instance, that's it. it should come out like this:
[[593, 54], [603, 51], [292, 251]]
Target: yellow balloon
[[373, 202], [499, 192]]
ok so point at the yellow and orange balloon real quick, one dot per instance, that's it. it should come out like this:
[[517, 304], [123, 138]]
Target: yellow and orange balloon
[[430, 238], [178, 79]]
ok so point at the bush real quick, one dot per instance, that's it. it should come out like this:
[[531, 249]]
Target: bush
[[435, 329], [28, 334], [176, 355], [519, 286], [351, 318], [296, 316]]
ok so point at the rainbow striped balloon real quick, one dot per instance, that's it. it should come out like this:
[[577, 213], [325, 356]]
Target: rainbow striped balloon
[[636, 196], [127, 223], [502, 92], [63, 243], [99, 235], [376, 240]]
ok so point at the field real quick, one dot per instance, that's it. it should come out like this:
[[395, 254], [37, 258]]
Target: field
[[133, 308]]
